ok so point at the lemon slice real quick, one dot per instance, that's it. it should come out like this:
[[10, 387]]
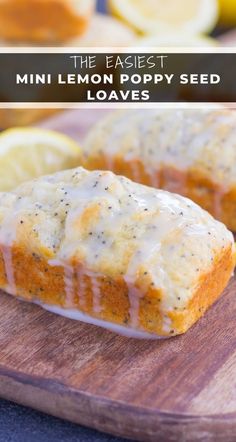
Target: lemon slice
[[171, 39], [27, 153], [151, 16]]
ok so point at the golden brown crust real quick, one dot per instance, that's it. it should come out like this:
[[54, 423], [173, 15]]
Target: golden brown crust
[[42, 20], [46, 284], [191, 184], [210, 285]]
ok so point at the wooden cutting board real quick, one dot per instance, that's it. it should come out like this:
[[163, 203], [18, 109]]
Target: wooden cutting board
[[179, 389]]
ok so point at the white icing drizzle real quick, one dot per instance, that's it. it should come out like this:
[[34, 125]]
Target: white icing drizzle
[[128, 332], [97, 308], [69, 286], [8, 233], [68, 281], [69, 274], [82, 287], [9, 269], [96, 291], [134, 299], [149, 248]]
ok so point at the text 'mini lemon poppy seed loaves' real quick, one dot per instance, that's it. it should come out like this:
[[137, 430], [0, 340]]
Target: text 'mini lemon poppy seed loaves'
[[190, 152], [100, 248]]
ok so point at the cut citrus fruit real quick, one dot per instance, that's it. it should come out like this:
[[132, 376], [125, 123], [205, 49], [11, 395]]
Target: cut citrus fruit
[[27, 153], [151, 16]]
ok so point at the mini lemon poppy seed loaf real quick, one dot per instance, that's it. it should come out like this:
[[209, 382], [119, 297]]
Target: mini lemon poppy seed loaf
[[190, 152], [103, 249]]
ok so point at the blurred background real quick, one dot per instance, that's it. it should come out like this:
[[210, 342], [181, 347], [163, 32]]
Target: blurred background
[[118, 22], [224, 24]]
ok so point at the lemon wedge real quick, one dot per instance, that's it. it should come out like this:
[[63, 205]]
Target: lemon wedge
[[27, 153], [151, 16]]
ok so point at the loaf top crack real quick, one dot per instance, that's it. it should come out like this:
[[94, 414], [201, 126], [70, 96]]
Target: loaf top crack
[[115, 228]]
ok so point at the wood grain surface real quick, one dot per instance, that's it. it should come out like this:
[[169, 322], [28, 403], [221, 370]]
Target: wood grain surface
[[180, 389]]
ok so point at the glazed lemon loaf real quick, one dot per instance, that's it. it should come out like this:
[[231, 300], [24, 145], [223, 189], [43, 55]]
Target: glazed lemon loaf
[[44, 21], [100, 248], [190, 152]]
